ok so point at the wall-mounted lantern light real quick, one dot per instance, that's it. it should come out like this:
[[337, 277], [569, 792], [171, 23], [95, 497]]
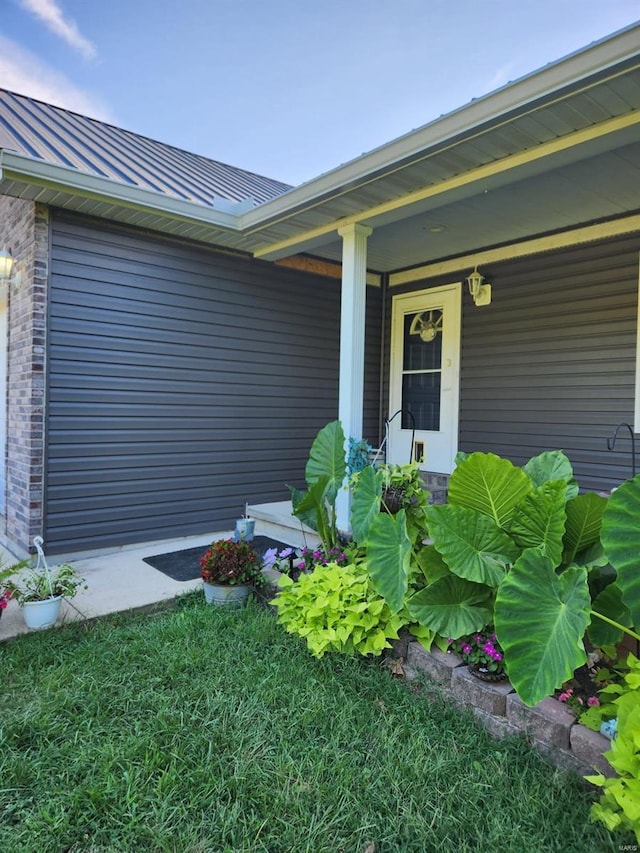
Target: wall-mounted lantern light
[[481, 293], [7, 266], [9, 272]]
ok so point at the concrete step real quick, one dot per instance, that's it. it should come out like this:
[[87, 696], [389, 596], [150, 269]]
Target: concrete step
[[276, 521]]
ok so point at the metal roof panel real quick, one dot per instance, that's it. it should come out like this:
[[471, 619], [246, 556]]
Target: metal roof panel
[[59, 136]]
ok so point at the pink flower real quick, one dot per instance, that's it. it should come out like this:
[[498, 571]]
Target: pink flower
[[593, 701], [563, 697]]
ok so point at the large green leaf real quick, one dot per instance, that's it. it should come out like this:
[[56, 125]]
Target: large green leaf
[[327, 458], [540, 519], [304, 507], [472, 544], [621, 540], [610, 604], [365, 502], [490, 485], [312, 508], [540, 619], [431, 564], [552, 465], [584, 519], [452, 607], [388, 557]]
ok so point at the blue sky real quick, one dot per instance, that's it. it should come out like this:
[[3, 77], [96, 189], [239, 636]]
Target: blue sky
[[285, 88]]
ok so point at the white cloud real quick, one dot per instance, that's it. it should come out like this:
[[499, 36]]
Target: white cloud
[[22, 72], [53, 17]]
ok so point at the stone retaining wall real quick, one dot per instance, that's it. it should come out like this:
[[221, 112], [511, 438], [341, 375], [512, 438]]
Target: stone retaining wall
[[549, 725]]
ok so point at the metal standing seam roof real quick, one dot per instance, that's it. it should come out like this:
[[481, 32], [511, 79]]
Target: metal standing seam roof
[[56, 135]]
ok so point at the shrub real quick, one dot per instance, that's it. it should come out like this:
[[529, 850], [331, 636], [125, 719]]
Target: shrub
[[335, 608], [230, 563]]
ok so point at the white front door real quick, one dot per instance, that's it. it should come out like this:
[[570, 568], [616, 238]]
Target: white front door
[[425, 378]]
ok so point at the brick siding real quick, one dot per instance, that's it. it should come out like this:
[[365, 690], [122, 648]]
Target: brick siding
[[24, 227]]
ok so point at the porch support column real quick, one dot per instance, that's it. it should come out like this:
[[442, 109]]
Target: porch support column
[[352, 326]]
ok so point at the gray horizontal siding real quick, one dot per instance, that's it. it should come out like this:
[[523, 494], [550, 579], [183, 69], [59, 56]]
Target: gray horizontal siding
[[551, 362], [182, 384], [557, 369], [372, 367]]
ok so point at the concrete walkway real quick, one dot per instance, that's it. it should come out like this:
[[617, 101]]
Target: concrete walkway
[[117, 582]]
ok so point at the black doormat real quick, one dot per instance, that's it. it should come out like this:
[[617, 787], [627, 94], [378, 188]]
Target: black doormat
[[185, 565]]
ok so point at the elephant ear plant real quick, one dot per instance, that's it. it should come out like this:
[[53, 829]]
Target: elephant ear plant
[[518, 548], [324, 474]]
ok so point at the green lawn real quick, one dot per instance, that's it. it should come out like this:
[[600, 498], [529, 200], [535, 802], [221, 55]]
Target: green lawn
[[198, 729]]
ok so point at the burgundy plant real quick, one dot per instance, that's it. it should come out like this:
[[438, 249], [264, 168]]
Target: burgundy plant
[[229, 563]]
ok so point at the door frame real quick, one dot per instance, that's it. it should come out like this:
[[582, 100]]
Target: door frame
[[400, 305]]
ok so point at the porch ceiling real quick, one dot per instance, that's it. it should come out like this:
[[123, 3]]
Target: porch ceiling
[[549, 165], [596, 189]]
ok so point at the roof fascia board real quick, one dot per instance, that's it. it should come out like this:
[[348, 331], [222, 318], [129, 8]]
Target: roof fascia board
[[17, 167], [478, 175], [621, 46], [561, 240]]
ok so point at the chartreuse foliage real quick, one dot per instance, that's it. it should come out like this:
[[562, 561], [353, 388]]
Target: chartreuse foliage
[[335, 608], [619, 806]]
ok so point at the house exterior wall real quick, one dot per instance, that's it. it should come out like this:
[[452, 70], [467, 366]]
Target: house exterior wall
[[550, 364], [24, 227], [182, 384]]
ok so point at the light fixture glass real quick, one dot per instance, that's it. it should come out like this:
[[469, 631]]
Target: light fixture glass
[[7, 263], [480, 293]]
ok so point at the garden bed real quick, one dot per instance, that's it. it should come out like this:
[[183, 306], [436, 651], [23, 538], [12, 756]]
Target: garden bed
[[552, 729]]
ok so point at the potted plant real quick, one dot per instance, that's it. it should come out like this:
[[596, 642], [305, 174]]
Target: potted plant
[[39, 591], [228, 570], [482, 652]]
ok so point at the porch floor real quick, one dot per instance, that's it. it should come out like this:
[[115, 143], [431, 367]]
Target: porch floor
[[121, 580]]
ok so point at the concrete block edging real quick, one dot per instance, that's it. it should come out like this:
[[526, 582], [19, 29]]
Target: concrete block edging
[[551, 728]]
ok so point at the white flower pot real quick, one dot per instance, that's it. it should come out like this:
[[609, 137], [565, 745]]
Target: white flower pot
[[42, 614], [226, 596]]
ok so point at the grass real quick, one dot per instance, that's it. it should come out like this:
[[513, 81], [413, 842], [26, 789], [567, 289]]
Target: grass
[[200, 729]]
